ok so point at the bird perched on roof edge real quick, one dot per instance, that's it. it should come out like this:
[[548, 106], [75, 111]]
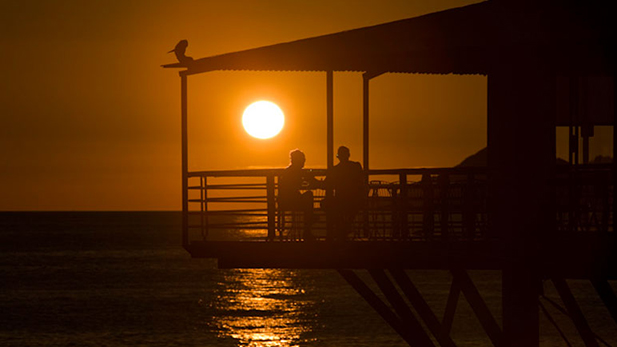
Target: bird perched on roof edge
[[180, 51]]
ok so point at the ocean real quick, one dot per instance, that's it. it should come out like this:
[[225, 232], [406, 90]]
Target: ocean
[[122, 279]]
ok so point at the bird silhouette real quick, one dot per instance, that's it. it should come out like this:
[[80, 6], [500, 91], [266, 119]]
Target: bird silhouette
[[180, 51]]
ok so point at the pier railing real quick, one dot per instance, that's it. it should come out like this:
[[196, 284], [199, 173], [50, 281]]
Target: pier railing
[[585, 198], [446, 204]]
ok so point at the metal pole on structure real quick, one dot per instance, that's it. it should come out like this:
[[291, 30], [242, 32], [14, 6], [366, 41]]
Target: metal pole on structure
[[366, 78], [365, 109], [184, 113], [614, 149], [330, 117], [330, 139]]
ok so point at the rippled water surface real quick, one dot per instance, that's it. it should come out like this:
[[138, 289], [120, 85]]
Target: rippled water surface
[[121, 279]]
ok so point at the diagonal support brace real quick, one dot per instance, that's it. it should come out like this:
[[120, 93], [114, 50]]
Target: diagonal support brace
[[575, 312], [606, 293], [377, 304], [400, 306], [478, 306], [424, 311]]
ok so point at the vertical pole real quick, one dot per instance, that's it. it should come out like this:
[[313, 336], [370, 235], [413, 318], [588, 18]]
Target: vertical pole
[[365, 120], [614, 150], [202, 203], [271, 206], [574, 119], [428, 206], [330, 117], [185, 200], [402, 207], [330, 141], [521, 110], [206, 219]]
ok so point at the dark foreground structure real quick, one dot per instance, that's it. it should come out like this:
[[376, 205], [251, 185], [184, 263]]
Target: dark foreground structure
[[548, 65]]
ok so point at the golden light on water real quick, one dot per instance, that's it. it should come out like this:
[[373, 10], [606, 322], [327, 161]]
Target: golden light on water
[[263, 119], [263, 308]]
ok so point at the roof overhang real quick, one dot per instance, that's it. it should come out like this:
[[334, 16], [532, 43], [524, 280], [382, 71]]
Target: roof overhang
[[467, 40]]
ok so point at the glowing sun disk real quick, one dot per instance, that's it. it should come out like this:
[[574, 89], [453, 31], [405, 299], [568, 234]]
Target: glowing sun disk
[[263, 119]]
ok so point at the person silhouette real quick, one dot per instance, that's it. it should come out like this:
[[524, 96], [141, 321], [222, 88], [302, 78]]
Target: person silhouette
[[292, 180], [347, 181]]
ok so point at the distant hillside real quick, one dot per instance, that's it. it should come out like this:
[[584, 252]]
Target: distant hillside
[[478, 159]]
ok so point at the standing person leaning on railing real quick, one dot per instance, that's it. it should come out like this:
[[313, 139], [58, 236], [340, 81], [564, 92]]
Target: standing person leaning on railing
[[346, 179], [290, 198]]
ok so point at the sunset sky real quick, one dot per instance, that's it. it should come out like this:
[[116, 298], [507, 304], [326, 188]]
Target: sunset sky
[[90, 120]]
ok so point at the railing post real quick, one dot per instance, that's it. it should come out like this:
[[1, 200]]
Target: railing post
[[469, 207], [444, 200], [402, 207], [270, 198], [428, 217], [205, 222]]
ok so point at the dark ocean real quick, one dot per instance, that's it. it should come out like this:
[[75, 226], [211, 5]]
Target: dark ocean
[[122, 279]]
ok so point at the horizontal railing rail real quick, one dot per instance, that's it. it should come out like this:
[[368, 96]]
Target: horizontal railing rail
[[401, 204]]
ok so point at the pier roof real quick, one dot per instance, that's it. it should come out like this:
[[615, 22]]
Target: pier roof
[[467, 40]]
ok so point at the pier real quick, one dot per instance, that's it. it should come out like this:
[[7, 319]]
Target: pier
[[524, 213]]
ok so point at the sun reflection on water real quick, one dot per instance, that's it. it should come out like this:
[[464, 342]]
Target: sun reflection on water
[[263, 308]]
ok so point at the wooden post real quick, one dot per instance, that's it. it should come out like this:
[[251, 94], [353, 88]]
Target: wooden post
[[184, 126]]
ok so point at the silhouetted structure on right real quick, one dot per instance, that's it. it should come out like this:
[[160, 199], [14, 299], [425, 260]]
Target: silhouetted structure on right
[[548, 64]]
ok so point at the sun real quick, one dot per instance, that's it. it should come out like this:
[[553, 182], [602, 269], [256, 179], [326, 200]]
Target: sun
[[263, 119]]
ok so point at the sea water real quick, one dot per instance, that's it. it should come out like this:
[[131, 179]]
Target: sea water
[[122, 279]]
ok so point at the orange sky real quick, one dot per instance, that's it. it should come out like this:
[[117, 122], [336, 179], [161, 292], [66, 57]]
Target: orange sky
[[90, 121]]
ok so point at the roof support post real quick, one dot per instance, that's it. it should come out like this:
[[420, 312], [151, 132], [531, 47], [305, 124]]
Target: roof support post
[[330, 117], [365, 112], [184, 126], [614, 149], [366, 78], [329, 139], [521, 134]]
